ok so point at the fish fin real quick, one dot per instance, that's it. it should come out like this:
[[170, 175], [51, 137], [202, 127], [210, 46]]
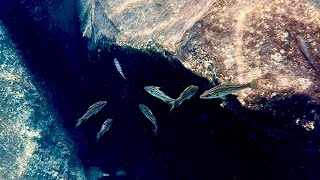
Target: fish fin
[[254, 84], [155, 131], [98, 137], [223, 97], [223, 104], [79, 121], [172, 104]]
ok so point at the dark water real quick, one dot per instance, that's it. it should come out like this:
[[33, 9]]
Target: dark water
[[199, 140]]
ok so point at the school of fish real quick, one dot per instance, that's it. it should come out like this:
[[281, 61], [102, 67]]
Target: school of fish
[[220, 91]]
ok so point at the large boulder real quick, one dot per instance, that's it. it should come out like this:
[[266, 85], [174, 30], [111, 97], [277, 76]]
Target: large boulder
[[238, 40], [33, 144]]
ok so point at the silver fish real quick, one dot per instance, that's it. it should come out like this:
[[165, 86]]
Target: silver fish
[[104, 128], [305, 51], [156, 92], [222, 90], [119, 69], [147, 112], [186, 94], [93, 109]]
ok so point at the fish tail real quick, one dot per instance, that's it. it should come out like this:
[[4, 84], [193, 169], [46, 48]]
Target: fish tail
[[98, 137], [124, 77], [253, 84], [79, 121], [172, 104], [155, 131]]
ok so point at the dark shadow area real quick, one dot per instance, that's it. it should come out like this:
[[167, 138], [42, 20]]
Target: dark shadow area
[[199, 140]]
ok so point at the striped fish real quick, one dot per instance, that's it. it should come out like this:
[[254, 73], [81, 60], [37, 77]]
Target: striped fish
[[222, 90], [93, 109], [147, 112], [305, 51], [156, 92], [119, 69], [104, 128], [186, 94]]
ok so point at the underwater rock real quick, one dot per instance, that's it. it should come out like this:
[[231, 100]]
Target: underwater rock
[[33, 144], [239, 40], [199, 137]]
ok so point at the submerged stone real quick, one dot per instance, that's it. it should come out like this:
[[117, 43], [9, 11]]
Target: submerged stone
[[238, 40], [32, 143]]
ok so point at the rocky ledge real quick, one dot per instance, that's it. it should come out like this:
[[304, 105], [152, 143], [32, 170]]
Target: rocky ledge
[[238, 40]]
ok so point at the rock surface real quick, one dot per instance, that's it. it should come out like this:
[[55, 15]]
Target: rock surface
[[32, 143], [200, 137], [239, 40]]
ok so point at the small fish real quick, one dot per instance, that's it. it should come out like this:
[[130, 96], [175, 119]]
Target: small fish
[[104, 128], [121, 173], [305, 51], [117, 64], [222, 90], [185, 95], [147, 112], [156, 92], [93, 109]]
